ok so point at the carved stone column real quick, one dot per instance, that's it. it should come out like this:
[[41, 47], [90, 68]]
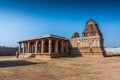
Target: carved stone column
[[28, 50], [67, 46], [42, 46], [23, 48], [50, 46], [26, 47], [56, 46], [62, 49], [19, 47], [32, 48], [36, 46]]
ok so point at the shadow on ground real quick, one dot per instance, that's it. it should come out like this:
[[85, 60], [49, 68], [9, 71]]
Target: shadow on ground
[[14, 63], [74, 56]]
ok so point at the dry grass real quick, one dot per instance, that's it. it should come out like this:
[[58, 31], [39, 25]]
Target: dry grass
[[6, 57], [78, 68]]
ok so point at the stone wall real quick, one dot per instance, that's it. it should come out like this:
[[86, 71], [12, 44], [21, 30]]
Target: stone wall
[[85, 46]]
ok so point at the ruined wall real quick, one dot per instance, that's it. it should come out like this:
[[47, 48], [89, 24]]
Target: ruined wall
[[74, 46], [91, 41], [91, 45]]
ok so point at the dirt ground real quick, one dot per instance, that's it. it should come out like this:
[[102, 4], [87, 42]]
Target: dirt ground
[[76, 68]]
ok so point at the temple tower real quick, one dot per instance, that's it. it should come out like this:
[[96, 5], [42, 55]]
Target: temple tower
[[92, 39], [91, 29]]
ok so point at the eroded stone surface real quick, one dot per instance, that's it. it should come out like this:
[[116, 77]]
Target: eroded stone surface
[[91, 29], [91, 41], [75, 35], [51, 45]]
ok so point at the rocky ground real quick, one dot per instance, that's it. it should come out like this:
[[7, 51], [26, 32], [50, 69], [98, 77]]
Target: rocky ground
[[76, 68]]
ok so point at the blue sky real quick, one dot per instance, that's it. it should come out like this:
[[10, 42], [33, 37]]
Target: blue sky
[[21, 19]]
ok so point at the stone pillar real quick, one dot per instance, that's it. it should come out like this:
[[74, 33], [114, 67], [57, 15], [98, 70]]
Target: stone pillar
[[23, 48], [36, 46], [62, 49], [32, 48], [42, 46], [56, 46], [19, 47], [28, 49], [50, 46], [67, 46], [39, 48]]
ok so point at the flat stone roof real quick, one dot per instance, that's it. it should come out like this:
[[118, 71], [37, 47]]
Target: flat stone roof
[[44, 36]]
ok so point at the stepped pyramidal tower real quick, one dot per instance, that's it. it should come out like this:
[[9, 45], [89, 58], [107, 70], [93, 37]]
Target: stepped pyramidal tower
[[91, 41], [91, 29]]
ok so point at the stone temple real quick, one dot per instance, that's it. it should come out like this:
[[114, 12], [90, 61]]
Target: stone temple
[[53, 46]]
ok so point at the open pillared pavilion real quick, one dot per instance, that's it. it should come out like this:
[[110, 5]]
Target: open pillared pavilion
[[48, 45]]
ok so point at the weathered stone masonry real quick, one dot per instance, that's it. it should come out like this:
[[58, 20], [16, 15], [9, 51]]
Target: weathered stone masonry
[[52, 46], [91, 41]]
